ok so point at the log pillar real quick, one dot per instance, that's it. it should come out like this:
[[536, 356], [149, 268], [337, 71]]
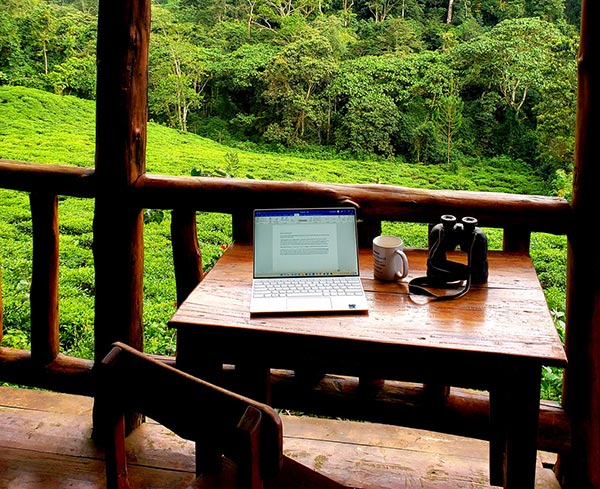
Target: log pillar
[[1, 327], [187, 257], [581, 468], [121, 119], [44, 278]]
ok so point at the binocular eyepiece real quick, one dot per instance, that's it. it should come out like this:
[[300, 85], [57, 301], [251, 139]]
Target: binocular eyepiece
[[467, 223]]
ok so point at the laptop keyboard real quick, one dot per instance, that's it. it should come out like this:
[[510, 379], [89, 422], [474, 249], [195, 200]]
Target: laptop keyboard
[[307, 287]]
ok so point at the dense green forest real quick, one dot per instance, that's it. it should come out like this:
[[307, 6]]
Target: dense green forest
[[448, 82]]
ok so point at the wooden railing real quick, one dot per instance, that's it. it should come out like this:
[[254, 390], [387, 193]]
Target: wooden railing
[[458, 412], [43, 366]]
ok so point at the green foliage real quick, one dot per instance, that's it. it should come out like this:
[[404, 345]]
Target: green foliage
[[484, 102], [179, 71], [551, 387], [38, 40], [548, 253], [366, 78], [76, 76], [563, 184], [372, 120], [530, 113], [296, 80], [66, 124]]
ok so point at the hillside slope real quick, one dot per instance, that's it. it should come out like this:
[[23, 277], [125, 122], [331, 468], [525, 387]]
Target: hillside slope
[[42, 127]]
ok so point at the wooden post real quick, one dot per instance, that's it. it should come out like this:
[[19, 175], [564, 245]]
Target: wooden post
[[581, 469], [187, 257], [121, 117], [44, 281], [1, 327], [516, 239]]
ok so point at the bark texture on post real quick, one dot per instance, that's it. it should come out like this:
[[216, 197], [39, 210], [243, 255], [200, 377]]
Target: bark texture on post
[[1, 327], [187, 257], [44, 278], [121, 118], [121, 123], [581, 469]]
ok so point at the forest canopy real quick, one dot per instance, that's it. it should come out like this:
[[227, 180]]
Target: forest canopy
[[432, 81]]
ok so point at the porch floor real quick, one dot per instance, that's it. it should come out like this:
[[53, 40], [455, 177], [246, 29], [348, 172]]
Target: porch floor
[[45, 443]]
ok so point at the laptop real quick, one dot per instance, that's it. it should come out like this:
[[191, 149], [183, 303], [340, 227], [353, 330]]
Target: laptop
[[306, 260]]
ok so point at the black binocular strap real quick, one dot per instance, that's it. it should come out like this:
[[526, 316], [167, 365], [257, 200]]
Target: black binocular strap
[[417, 285]]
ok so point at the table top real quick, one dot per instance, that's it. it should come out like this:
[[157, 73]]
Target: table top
[[506, 316]]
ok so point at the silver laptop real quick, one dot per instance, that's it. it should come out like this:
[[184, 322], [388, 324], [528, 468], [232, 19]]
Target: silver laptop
[[306, 260]]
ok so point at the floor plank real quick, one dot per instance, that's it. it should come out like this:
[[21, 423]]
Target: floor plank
[[45, 442]]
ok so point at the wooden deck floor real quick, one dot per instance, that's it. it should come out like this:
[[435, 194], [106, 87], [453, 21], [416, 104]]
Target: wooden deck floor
[[45, 443]]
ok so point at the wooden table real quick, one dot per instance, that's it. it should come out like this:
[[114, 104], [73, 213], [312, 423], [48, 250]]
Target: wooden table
[[495, 338]]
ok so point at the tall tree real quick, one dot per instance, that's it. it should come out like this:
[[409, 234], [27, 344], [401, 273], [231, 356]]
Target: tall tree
[[448, 115], [512, 57], [179, 72], [381, 9], [179, 69], [296, 81]]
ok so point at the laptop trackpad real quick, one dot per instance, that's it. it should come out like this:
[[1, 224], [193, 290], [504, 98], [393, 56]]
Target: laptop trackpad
[[308, 304]]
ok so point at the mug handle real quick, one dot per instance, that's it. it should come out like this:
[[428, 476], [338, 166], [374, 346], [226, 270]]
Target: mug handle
[[404, 272]]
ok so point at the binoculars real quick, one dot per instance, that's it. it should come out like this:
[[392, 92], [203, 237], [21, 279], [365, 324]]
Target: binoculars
[[448, 235]]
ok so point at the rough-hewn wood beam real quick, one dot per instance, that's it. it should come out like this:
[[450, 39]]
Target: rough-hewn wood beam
[[38, 177], [582, 379], [121, 117], [385, 202], [64, 374]]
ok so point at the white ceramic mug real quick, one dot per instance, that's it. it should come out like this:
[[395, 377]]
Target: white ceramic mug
[[389, 259]]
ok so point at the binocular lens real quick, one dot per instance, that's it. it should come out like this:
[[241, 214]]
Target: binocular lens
[[448, 221], [469, 223]]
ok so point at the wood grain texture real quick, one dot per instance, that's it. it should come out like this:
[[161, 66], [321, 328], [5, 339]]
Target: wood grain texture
[[1, 309], [121, 117], [507, 316], [374, 202], [45, 442], [495, 338], [39, 177], [44, 278]]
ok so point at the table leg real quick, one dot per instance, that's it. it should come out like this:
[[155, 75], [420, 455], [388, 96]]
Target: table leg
[[498, 433], [208, 461], [254, 381], [514, 413], [197, 360]]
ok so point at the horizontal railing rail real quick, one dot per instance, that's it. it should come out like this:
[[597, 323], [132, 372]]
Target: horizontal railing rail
[[375, 201], [66, 180], [383, 202]]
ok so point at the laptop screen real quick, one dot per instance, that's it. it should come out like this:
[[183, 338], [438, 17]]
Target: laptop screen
[[305, 242]]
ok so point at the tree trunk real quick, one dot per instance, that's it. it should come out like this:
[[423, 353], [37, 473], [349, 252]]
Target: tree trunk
[[450, 9]]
